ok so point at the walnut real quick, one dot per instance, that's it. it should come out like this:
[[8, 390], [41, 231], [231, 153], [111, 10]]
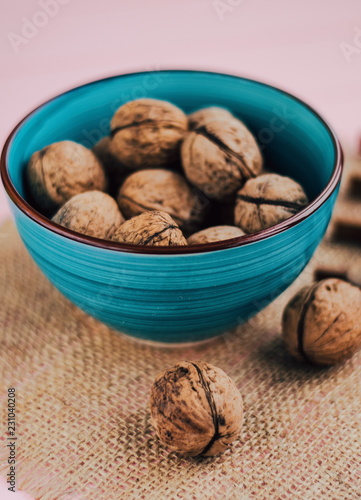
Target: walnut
[[93, 213], [215, 233], [158, 189], [322, 323], [150, 228], [114, 169], [58, 172], [219, 155], [147, 133], [204, 115], [196, 409], [266, 201]]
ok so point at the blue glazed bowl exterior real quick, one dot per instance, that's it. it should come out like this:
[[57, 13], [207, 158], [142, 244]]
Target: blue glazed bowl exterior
[[180, 297]]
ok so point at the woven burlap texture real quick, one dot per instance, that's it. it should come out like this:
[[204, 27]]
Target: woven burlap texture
[[83, 423]]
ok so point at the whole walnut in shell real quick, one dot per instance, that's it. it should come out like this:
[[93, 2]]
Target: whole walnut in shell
[[114, 169], [266, 201], [196, 409], [158, 189], [147, 133], [92, 213], [215, 233], [322, 323], [219, 155], [204, 115], [58, 172], [150, 228]]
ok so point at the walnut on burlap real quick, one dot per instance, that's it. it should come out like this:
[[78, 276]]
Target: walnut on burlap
[[83, 421]]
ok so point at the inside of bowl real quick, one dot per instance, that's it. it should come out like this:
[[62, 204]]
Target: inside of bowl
[[293, 139]]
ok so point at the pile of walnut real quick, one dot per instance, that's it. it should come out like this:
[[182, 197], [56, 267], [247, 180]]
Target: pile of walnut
[[169, 174], [154, 181]]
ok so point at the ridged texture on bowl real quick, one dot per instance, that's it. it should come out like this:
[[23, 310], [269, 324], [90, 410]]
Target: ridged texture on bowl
[[178, 298], [175, 298]]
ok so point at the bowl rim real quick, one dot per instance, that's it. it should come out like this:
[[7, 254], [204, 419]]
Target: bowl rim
[[43, 221]]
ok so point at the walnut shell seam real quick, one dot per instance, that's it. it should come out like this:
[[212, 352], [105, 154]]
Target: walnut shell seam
[[148, 209], [289, 205], [148, 121], [212, 407], [302, 319], [245, 170]]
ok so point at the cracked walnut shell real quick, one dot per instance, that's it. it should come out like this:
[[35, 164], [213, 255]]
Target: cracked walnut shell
[[196, 409], [215, 233], [322, 324], [159, 189], [266, 201], [58, 172], [92, 213], [147, 133], [150, 228], [219, 155]]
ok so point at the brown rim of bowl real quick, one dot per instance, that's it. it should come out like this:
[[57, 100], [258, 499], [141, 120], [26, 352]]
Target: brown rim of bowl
[[205, 247]]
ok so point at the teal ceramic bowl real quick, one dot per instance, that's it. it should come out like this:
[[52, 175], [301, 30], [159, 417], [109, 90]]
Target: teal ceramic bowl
[[179, 294]]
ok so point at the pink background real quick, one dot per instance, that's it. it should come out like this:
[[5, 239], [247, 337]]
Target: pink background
[[311, 48]]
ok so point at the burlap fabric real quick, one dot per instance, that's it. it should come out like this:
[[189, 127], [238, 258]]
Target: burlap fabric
[[83, 422]]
